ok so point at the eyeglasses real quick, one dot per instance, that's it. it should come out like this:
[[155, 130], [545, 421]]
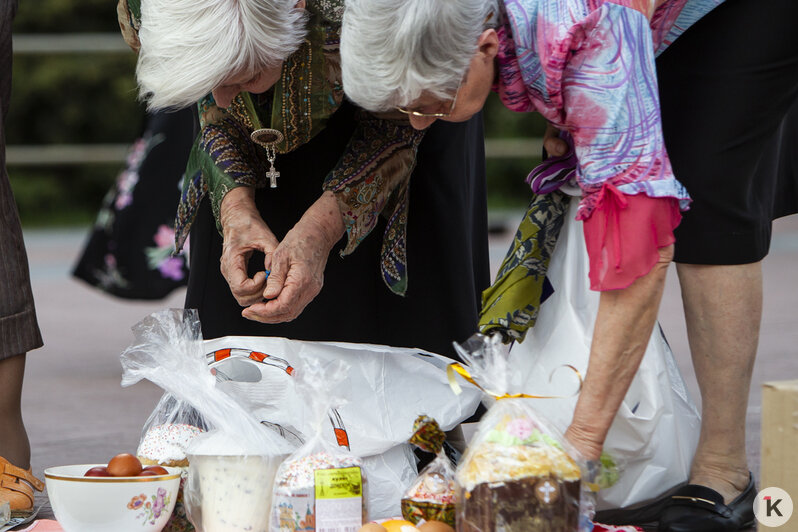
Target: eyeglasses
[[445, 114]]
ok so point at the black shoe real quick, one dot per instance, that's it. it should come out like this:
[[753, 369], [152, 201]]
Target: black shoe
[[645, 516], [695, 508]]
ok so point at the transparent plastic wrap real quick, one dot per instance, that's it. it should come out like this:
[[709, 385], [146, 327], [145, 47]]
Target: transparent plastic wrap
[[168, 431], [232, 466], [519, 473], [165, 438], [431, 496], [321, 486]]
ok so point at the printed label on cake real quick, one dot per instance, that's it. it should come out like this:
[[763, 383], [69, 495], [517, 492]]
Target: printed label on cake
[[293, 511], [339, 500]]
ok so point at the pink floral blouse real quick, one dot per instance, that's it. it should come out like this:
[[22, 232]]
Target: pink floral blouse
[[588, 67]]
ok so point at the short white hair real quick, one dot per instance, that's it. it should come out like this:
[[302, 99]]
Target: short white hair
[[393, 50], [190, 47]]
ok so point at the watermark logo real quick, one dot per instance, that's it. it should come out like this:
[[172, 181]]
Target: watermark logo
[[773, 507]]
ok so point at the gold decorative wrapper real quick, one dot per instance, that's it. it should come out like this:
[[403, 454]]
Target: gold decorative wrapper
[[427, 435], [415, 511]]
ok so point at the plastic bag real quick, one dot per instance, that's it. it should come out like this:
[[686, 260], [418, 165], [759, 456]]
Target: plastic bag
[[167, 433], [653, 437], [518, 474], [431, 496], [321, 486], [397, 384], [232, 466]]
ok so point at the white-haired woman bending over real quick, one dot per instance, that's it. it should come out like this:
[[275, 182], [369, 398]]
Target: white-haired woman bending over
[[612, 76], [283, 168]]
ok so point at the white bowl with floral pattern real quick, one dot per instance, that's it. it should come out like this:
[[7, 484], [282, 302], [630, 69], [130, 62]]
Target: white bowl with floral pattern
[[105, 504]]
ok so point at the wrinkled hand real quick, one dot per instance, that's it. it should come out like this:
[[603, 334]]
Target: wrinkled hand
[[244, 232], [297, 265], [585, 442], [552, 143]]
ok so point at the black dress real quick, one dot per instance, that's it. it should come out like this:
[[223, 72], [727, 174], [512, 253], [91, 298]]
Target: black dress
[[447, 249], [128, 253]]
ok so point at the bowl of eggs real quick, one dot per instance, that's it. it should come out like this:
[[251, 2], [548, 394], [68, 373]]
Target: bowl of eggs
[[122, 495]]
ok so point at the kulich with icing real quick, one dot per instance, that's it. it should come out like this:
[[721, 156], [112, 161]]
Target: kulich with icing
[[166, 444], [517, 478]]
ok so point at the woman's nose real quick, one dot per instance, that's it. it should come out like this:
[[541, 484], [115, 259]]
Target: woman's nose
[[421, 122]]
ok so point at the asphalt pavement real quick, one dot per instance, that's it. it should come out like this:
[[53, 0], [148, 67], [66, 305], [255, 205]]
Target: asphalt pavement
[[77, 412]]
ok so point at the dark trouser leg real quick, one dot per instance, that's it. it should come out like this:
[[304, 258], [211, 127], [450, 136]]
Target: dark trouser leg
[[19, 331]]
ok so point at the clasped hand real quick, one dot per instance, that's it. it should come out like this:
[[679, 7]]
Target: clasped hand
[[296, 264]]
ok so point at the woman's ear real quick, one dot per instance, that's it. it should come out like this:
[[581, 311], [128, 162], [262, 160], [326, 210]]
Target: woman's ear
[[488, 44], [300, 4]]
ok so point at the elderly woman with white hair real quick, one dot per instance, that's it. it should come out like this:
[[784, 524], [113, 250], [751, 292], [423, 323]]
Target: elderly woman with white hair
[[591, 68], [284, 167]]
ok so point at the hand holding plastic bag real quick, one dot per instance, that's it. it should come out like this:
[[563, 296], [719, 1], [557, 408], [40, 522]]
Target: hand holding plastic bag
[[653, 437]]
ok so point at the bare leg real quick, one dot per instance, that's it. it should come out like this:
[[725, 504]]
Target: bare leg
[[723, 309], [14, 444]]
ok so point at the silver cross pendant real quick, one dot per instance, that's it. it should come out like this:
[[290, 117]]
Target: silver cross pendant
[[272, 174], [269, 138]]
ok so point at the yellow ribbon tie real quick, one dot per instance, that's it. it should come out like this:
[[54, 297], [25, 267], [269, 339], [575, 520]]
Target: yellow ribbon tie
[[455, 368]]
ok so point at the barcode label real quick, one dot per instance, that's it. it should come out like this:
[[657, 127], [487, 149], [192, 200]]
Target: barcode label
[[339, 515]]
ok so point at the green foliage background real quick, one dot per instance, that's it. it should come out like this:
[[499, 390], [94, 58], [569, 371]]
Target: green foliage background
[[90, 98]]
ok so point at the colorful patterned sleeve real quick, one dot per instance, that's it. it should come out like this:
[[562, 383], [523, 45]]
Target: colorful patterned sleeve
[[223, 157], [372, 178], [601, 77]]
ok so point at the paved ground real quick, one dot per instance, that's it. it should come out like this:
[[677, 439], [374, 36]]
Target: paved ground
[[76, 411]]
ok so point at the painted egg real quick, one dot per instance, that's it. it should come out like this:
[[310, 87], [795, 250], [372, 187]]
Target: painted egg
[[154, 470], [434, 526], [124, 465], [372, 527], [99, 471]]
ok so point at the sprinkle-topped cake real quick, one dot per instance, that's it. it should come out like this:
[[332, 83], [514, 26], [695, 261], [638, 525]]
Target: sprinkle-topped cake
[[166, 444], [518, 479]]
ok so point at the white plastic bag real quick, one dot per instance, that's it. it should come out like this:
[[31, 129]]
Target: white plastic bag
[[386, 389], [655, 432], [232, 466]]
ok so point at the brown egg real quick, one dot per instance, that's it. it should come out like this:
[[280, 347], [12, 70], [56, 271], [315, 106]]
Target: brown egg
[[372, 527], [154, 470], [124, 465], [435, 526], [99, 471]]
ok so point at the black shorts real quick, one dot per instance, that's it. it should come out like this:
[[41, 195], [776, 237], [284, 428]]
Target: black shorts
[[729, 95]]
